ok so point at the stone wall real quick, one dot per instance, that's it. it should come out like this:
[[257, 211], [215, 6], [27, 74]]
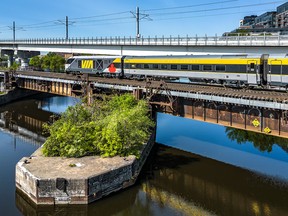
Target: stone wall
[[117, 173]]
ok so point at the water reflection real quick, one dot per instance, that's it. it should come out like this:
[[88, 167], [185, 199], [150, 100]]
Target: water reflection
[[174, 182], [220, 143], [202, 183], [57, 104], [260, 141], [180, 183]]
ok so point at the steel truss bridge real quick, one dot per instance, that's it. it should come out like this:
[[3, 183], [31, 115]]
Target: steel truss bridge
[[265, 112]]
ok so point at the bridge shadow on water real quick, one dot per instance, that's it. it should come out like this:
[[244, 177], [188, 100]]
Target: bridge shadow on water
[[215, 187]]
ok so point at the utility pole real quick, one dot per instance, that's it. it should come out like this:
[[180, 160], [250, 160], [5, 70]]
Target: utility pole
[[137, 23], [139, 17], [66, 23], [67, 27], [14, 30]]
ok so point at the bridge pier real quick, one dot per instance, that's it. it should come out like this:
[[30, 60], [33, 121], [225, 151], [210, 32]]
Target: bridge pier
[[24, 57], [10, 54]]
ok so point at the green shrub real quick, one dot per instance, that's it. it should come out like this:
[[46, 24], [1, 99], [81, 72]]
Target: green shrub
[[108, 127]]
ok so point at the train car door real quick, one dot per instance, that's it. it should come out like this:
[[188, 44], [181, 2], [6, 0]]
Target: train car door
[[252, 77], [275, 72]]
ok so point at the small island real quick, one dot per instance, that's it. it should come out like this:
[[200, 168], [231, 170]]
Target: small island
[[92, 150]]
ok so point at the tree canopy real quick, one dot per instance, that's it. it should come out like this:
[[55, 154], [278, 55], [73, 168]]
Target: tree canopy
[[51, 61], [110, 126]]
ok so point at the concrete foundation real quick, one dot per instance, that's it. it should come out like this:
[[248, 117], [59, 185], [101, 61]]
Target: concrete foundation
[[55, 180]]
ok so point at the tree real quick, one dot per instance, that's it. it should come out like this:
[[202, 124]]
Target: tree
[[36, 62], [110, 126], [51, 62], [14, 66]]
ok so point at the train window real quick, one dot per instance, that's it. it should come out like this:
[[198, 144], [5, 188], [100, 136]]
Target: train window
[[79, 64], [252, 67], [117, 65], [69, 61], [195, 67], [173, 67], [207, 67], [138, 66], [155, 66], [184, 67], [220, 68], [164, 66], [146, 66], [127, 66], [133, 66]]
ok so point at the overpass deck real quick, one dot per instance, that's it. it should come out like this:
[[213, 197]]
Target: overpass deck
[[264, 44], [251, 40]]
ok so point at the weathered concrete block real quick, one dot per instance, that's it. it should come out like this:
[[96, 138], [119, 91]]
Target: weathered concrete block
[[52, 180]]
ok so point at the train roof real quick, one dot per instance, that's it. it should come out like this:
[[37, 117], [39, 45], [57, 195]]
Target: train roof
[[206, 56], [95, 56]]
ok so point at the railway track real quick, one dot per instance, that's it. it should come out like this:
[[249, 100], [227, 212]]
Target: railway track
[[255, 94]]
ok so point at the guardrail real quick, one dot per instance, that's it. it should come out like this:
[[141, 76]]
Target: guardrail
[[262, 40]]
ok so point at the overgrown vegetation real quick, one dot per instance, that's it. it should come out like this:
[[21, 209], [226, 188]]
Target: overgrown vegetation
[[109, 127], [14, 66], [50, 62]]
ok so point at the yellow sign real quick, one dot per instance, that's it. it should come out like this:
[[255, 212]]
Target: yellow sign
[[88, 64], [256, 123], [267, 130]]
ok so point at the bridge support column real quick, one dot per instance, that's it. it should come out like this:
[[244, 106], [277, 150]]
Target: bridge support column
[[138, 93], [10, 54], [24, 57]]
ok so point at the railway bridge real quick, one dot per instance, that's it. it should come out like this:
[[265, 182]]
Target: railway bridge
[[253, 110]]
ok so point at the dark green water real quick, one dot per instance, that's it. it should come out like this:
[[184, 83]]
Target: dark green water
[[238, 173]]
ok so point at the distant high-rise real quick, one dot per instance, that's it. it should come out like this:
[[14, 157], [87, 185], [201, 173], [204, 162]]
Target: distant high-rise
[[266, 20], [248, 20], [269, 22], [282, 16]]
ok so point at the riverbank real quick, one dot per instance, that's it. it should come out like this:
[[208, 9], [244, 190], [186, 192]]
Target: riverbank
[[56, 180]]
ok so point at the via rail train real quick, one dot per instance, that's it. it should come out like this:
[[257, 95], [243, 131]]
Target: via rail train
[[240, 70]]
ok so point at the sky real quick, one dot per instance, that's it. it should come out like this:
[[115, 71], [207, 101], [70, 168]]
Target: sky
[[116, 18]]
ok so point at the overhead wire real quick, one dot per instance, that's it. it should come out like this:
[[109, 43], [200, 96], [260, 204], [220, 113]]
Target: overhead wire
[[189, 6], [216, 9], [92, 20]]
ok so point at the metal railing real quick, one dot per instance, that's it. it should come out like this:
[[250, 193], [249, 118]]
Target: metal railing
[[251, 40]]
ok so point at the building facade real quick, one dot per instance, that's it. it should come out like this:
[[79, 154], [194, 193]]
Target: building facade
[[282, 16]]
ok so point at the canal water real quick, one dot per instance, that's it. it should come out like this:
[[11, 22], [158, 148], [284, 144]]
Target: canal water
[[196, 169]]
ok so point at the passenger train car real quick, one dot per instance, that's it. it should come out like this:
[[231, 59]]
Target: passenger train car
[[250, 70]]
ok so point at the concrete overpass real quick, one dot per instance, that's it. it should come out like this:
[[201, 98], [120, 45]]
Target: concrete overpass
[[275, 44]]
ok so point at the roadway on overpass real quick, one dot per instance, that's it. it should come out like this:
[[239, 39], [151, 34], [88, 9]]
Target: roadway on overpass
[[264, 44]]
